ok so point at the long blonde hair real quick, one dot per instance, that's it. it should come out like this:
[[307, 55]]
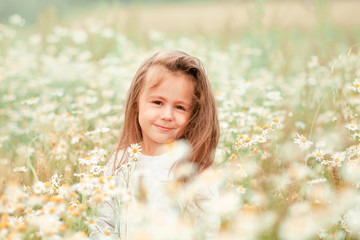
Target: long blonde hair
[[202, 131]]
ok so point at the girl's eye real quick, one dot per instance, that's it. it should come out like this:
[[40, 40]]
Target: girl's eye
[[157, 102], [180, 108]]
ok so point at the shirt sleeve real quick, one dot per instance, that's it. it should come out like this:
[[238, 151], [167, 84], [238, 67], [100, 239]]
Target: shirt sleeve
[[105, 226], [207, 218]]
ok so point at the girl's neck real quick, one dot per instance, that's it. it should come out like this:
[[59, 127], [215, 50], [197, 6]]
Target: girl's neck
[[149, 151]]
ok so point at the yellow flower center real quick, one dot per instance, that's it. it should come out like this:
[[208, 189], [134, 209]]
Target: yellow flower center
[[266, 127], [238, 143], [75, 213], [318, 154], [337, 160], [247, 139], [98, 198], [62, 228], [134, 150], [275, 119], [101, 180], [356, 85], [303, 139]]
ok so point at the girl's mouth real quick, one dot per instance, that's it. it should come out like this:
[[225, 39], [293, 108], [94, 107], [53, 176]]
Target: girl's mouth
[[163, 128]]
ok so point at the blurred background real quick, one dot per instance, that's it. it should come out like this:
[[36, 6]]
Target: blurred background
[[195, 16], [319, 23]]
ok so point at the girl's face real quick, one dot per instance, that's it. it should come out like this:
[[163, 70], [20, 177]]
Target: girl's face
[[165, 106]]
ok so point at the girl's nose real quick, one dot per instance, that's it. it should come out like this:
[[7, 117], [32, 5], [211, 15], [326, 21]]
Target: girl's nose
[[167, 113]]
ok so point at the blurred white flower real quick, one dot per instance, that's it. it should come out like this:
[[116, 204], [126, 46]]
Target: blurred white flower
[[298, 225], [107, 33], [97, 170], [20, 169], [16, 221], [337, 159], [356, 85], [98, 130], [17, 20], [302, 142], [274, 96], [8, 98], [31, 101], [319, 180], [79, 36], [276, 123], [319, 154], [352, 126], [260, 138], [55, 180], [350, 221], [227, 203], [38, 187]]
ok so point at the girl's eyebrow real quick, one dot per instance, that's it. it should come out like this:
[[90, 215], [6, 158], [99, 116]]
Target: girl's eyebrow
[[178, 102]]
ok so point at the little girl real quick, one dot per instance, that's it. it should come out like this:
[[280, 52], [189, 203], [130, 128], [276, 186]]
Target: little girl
[[170, 99]]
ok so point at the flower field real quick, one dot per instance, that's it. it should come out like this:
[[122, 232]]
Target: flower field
[[288, 161]]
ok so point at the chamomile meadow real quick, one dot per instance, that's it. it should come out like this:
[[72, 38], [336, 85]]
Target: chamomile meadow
[[287, 165]]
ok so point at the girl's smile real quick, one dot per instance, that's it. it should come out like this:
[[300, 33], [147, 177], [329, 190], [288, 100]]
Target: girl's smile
[[165, 106], [163, 128]]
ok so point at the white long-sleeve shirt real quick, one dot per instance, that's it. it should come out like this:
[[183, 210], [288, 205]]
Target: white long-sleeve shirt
[[155, 213]]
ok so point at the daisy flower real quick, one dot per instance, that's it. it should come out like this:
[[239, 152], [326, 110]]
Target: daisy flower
[[134, 151], [55, 180], [239, 144], [99, 130], [325, 162], [337, 159], [88, 161], [38, 187], [31, 101], [302, 141], [260, 139], [96, 169], [274, 96], [356, 86], [16, 221], [241, 189], [352, 126], [20, 169], [276, 123], [315, 181], [319, 154], [266, 130], [243, 141], [265, 155], [353, 150]]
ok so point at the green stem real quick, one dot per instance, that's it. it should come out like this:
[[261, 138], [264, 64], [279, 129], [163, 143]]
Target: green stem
[[32, 169], [317, 111]]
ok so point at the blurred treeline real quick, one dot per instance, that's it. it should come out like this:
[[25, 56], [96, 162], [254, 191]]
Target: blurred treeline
[[294, 30], [30, 9]]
